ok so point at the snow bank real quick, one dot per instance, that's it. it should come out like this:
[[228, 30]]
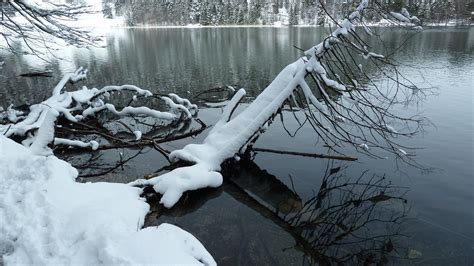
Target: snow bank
[[48, 219]]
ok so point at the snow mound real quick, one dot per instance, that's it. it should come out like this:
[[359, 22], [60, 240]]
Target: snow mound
[[173, 184], [49, 219]]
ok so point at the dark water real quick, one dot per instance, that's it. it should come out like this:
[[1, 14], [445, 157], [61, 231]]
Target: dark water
[[238, 222]]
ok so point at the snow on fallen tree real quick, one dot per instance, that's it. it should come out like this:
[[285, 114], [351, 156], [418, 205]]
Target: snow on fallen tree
[[36, 127], [335, 101], [49, 219]]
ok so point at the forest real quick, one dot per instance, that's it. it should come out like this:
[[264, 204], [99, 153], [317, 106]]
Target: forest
[[269, 12]]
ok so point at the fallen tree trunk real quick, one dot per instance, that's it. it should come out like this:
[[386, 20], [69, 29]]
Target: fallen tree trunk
[[231, 136]]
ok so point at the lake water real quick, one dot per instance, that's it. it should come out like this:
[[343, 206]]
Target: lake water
[[238, 222]]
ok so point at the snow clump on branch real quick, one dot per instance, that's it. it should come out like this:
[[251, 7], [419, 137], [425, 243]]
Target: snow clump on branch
[[36, 127]]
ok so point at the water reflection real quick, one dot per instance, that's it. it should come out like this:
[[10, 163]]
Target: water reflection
[[350, 219], [182, 60]]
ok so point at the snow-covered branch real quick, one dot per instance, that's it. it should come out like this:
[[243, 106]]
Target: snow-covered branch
[[37, 24], [36, 127]]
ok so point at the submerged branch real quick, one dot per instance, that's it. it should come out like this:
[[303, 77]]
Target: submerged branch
[[304, 154]]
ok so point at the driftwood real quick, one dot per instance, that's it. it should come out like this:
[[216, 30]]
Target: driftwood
[[46, 74]]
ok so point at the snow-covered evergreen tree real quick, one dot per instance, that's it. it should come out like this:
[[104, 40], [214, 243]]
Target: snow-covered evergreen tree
[[309, 12]]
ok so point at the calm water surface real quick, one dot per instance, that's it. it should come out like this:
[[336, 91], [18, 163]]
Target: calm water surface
[[438, 228]]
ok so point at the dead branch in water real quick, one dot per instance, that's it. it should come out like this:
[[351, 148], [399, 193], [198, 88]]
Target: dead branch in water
[[47, 74], [88, 118], [304, 154]]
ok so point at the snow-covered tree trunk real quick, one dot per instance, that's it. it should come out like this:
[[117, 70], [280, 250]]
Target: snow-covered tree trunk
[[342, 110]]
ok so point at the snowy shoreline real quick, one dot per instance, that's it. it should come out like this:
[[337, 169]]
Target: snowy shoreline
[[198, 26], [48, 218], [96, 21]]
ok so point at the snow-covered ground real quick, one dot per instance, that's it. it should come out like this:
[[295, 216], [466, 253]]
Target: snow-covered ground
[[95, 19], [47, 218]]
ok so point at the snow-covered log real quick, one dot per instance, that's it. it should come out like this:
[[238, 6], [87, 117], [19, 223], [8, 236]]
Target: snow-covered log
[[341, 110]]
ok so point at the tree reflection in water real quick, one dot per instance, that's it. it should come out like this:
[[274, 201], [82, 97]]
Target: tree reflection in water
[[348, 220]]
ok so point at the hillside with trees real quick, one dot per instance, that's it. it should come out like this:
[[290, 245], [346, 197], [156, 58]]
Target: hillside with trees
[[269, 12]]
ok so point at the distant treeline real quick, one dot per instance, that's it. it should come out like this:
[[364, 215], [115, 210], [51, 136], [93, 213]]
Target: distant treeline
[[291, 12]]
